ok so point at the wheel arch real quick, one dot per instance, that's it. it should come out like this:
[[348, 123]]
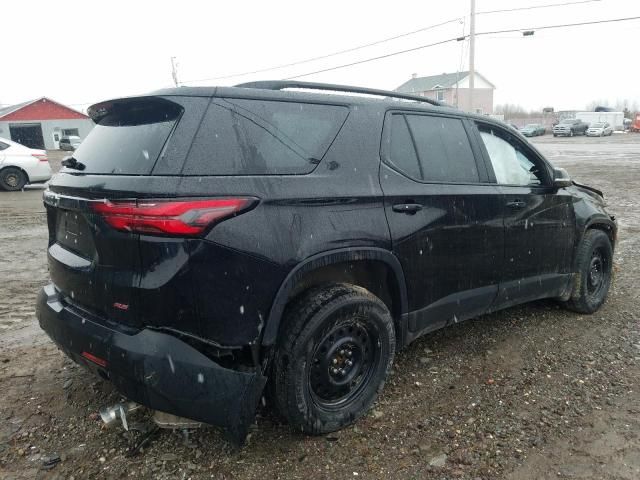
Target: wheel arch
[[607, 225], [13, 165], [376, 269]]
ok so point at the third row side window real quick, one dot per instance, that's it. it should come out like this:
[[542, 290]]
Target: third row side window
[[431, 148]]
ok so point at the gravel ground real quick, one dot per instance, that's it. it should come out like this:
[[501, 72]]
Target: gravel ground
[[526, 393]]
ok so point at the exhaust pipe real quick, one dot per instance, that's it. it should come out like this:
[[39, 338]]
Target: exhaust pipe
[[119, 411]]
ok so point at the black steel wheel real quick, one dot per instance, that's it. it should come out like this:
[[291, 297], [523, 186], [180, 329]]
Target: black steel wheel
[[594, 261], [597, 273], [335, 349], [12, 179], [343, 362]]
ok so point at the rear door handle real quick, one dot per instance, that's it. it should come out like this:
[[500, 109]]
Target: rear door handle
[[516, 204], [409, 208]]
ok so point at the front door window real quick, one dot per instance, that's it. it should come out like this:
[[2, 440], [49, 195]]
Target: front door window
[[510, 164]]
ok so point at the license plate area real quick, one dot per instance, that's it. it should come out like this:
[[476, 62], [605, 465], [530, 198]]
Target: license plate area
[[73, 233]]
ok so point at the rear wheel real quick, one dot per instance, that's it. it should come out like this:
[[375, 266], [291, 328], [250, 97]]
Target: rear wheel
[[12, 179], [332, 360], [594, 261]]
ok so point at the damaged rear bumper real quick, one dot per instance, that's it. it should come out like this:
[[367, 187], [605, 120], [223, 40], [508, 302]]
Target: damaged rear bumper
[[154, 369]]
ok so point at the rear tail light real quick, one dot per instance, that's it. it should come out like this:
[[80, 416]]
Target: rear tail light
[[170, 217], [41, 156]]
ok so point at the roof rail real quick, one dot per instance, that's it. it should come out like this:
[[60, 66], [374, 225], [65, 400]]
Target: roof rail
[[282, 84]]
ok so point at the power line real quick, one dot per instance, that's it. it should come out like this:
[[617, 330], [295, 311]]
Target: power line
[[380, 57], [533, 7], [578, 24], [321, 57], [455, 39], [384, 40]]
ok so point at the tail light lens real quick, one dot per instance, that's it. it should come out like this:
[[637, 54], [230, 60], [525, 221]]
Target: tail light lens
[[41, 156], [170, 217]]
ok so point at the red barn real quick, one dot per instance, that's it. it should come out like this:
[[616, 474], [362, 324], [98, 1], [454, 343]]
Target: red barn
[[41, 123]]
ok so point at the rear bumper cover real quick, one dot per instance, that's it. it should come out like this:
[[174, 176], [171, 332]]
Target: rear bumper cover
[[155, 369]]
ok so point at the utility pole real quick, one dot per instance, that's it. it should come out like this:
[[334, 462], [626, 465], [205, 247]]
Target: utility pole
[[174, 71], [472, 52]]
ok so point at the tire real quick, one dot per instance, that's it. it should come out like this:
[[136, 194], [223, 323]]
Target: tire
[[571, 133], [12, 179], [342, 325], [555, 134], [594, 262]]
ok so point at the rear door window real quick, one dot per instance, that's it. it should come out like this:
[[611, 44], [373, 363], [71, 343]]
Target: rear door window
[[403, 151], [256, 137], [128, 137], [440, 144]]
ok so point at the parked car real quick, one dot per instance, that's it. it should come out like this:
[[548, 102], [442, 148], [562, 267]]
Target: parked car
[[533, 130], [69, 143], [205, 242], [635, 126], [20, 165], [601, 129], [570, 127]]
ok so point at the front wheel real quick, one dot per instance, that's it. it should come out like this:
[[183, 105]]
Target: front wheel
[[334, 354], [594, 261], [12, 179]]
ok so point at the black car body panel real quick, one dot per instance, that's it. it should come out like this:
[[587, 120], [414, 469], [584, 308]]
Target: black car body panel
[[339, 208]]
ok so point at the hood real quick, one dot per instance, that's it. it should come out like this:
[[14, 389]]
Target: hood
[[594, 193]]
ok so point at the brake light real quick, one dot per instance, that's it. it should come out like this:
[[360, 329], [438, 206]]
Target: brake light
[[41, 156], [169, 217]]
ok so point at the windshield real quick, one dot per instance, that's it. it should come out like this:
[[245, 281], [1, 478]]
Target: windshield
[[531, 125], [597, 125]]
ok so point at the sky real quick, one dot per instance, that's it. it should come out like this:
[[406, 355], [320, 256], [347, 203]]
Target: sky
[[88, 51]]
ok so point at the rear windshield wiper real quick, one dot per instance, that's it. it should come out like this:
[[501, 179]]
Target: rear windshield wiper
[[71, 162]]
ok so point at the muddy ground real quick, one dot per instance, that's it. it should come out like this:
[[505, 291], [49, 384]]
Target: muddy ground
[[531, 392]]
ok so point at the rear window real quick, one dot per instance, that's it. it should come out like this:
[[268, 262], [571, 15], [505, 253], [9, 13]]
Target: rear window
[[128, 137], [256, 137]]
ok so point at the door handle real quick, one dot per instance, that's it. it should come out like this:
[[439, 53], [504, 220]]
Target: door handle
[[516, 204], [409, 208]]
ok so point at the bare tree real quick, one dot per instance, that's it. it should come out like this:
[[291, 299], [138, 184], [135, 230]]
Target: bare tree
[[591, 106], [511, 109]]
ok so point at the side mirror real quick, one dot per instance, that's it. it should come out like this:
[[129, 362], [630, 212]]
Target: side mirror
[[561, 178]]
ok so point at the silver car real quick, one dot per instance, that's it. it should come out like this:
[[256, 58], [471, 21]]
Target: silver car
[[70, 142], [600, 129]]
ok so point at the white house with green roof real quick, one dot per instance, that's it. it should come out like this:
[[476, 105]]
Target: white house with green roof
[[453, 88]]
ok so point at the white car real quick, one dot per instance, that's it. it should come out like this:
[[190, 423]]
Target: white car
[[20, 165], [600, 129]]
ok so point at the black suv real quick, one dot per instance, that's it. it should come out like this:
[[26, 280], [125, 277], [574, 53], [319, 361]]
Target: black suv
[[206, 242]]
